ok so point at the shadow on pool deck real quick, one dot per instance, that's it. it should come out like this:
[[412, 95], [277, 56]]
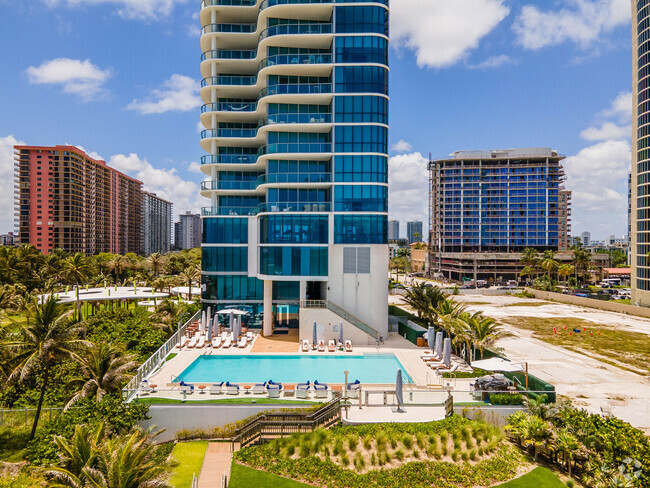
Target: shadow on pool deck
[[277, 343]]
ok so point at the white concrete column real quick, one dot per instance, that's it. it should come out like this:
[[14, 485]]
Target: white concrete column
[[303, 291], [267, 326]]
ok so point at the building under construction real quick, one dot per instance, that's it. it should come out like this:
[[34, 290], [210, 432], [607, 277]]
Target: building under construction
[[486, 207]]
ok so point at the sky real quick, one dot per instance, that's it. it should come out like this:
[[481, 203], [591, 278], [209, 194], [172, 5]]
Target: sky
[[120, 79]]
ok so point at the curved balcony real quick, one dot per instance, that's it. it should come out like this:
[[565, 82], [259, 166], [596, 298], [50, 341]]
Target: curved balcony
[[300, 59], [229, 28], [275, 178], [296, 118], [271, 3], [295, 89], [245, 54], [230, 80], [210, 133], [214, 211], [295, 147], [229, 159], [228, 185], [293, 207], [228, 3], [229, 107], [295, 29]]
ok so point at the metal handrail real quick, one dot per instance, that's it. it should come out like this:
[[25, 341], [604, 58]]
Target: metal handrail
[[358, 323], [156, 359]]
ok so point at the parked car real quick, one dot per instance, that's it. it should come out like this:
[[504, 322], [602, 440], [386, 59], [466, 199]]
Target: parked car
[[482, 284]]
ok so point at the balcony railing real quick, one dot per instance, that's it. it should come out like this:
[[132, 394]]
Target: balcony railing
[[228, 185], [293, 207], [272, 3], [229, 28], [295, 29], [228, 3], [295, 147], [229, 54], [229, 159], [275, 178], [276, 59], [210, 133], [214, 211], [295, 88], [297, 118], [229, 107]]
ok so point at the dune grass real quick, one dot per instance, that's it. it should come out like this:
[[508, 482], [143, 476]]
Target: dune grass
[[621, 348], [188, 458]]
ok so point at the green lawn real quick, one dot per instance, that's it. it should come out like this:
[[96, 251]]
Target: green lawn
[[245, 477], [538, 477], [245, 401], [189, 457]]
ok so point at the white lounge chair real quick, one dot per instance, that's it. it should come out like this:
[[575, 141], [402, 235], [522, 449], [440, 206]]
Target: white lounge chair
[[321, 345], [305, 346], [243, 342], [216, 342], [353, 389], [348, 345], [144, 388], [232, 389], [249, 336], [183, 342], [302, 390], [201, 343], [274, 392], [259, 388], [193, 341], [331, 346], [215, 389], [187, 387], [321, 392], [227, 343]]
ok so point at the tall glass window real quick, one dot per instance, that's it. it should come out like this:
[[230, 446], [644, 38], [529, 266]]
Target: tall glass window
[[362, 20], [225, 231], [361, 79], [361, 169], [360, 229], [360, 198], [361, 109], [225, 259], [300, 229], [229, 287], [361, 49], [361, 138], [293, 261]]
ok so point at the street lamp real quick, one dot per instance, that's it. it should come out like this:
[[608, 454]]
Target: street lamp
[[180, 320]]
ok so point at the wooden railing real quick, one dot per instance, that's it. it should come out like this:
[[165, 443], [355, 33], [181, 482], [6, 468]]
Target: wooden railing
[[280, 424]]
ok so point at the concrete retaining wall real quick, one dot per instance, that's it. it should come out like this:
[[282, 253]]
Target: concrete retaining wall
[[496, 415], [173, 418], [591, 303]]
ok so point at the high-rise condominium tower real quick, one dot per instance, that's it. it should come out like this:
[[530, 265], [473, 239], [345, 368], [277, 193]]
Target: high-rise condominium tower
[[296, 117], [640, 177]]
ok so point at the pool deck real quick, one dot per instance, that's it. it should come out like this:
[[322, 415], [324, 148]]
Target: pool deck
[[408, 354]]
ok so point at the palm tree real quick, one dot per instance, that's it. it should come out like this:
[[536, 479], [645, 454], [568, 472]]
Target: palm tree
[[8, 298], [447, 312], [549, 263], [46, 337], [581, 260], [156, 263], [536, 433], [424, 300], [77, 269], [565, 271], [538, 406], [129, 461], [104, 368], [190, 275], [530, 259], [566, 444], [118, 266], [485, 331]]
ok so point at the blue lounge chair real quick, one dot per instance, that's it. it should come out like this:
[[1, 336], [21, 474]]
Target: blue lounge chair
[[273, 389], [187, 387], [321, 389], [231, 388], [215, 389], [302, 390], [353, 389]]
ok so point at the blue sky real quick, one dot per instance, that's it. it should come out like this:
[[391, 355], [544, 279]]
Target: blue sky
[[120, 78]]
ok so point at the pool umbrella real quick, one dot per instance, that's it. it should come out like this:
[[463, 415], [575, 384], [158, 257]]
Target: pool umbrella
[[439, 344], [202, 324], [399, 392], [208, 330], [315, 334], [341, 332], [431, 337], [231, 321], [446, 353], [237, 324]]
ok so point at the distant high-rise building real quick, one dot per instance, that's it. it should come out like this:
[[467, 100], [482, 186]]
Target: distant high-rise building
[[66, 199], [157, 221], [413, 228], [585, 237], [7, 239], [187, 231], [393, 230], [508, 200], [564, 220]]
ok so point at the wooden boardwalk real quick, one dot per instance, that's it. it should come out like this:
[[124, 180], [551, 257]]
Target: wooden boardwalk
[[278, 343], [216, 463]]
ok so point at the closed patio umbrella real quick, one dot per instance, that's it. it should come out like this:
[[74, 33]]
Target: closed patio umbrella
[[341, 332], [315, 334], [439, 344], [231, 321], [399, 391], [431, 337], [446, 352]]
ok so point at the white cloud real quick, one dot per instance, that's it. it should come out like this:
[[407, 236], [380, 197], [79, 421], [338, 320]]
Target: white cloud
[[194, 167], [605, 132], [621, 107], [129, 9], [164, 183], [179, 93], [494, 62], [401, 146], [582, 22], [76, 77], [193, 30], [92, 154], [7, 182], [443, 32], [408, 181]]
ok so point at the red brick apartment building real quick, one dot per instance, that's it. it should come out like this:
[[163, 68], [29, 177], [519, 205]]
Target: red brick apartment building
[[66, 199]]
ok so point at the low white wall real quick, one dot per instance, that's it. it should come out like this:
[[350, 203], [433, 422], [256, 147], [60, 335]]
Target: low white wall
[[591, 303], [496, 415], [326, 320], [189, 416]]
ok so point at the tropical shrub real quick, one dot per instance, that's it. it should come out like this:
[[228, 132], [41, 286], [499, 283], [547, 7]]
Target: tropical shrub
[[506, 399]]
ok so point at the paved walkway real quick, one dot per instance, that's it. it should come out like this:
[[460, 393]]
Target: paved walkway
[[216, 463], [371, 415]]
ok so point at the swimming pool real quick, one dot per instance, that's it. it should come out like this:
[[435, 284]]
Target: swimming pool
[[367, 368]]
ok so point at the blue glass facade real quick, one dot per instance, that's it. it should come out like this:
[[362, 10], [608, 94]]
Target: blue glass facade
[[296, 139]]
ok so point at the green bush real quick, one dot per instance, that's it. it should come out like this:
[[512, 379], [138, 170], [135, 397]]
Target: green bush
[[507, 399], [477, 373]]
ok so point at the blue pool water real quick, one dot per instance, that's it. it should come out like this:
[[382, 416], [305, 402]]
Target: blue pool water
[[367, 368]]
